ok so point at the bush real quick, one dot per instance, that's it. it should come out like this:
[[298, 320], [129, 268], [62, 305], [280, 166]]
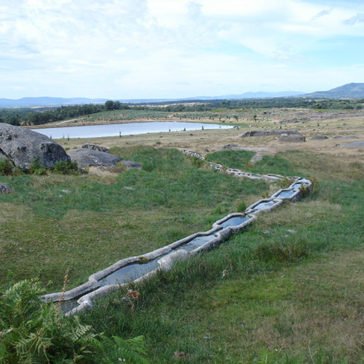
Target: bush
[[34, 332], [65, 167], [6, 168], [37, 168]]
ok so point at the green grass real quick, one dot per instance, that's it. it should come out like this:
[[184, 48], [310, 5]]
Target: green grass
[[241, 160], [232, 159], [81, 223], [288, 290]]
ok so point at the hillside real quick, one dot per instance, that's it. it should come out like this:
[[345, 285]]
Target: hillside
[[33, 102], [348, 91]]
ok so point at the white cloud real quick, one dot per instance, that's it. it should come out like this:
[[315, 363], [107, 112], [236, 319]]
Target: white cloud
[[126, 48], [166, 13]]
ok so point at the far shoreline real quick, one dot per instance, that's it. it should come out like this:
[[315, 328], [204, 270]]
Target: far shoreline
[[78, 122]]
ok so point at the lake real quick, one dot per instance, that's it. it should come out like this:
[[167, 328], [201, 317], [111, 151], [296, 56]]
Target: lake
[[108, 130]]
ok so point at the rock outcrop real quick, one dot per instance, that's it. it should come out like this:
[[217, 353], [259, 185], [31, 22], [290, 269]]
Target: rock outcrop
[[319, 137], [296, 138], [87, 157], [22, 147], [4, 188], [262, 133], [91, 155], [283, 135]]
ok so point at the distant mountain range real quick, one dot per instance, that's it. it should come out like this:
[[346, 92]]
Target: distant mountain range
[[348, 91], [249, 95], [59, 101], [48, 101]]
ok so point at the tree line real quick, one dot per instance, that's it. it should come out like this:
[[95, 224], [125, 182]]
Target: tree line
[[28, 116]]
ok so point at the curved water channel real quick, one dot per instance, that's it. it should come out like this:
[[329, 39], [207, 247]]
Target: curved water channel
[[138, 268]]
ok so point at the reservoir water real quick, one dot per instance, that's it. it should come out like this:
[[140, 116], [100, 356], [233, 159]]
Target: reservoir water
[[107, 130]]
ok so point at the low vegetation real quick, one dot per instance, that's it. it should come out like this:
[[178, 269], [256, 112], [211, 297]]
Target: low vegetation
[[242, 160], [287, 290], [34, 332], [83, 223]]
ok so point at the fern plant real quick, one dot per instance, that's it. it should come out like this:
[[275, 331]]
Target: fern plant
[[34, 332]]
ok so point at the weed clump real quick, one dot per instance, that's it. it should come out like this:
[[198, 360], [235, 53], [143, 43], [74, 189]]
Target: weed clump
[[241, 206]]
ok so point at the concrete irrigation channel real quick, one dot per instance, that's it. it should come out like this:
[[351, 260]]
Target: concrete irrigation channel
[[138, 268]]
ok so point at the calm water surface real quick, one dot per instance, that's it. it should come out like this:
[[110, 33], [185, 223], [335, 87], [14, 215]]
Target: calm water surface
[[95, 131]]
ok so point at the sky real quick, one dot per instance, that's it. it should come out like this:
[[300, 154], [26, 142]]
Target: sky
[[123, 49]]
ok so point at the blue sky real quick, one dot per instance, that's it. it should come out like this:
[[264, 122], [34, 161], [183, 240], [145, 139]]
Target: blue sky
[[177, 48]]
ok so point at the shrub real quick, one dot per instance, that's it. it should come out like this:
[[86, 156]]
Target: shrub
[[65, 167], [34, 332], [37, 168], [6, 168]]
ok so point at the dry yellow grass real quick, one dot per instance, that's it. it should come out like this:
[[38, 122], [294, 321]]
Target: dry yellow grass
[[342, 127]]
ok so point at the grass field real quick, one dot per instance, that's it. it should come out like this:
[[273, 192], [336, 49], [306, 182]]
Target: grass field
[[80, 224], [287, 290]]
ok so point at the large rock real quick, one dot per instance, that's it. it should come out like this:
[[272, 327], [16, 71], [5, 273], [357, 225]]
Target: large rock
[[23, 147], [87, 157], [4, 188]]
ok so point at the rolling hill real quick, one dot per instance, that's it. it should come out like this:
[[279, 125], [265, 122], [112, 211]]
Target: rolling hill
[[348, 91]]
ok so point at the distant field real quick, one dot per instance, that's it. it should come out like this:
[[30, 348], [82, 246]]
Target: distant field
[[243, 116]]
